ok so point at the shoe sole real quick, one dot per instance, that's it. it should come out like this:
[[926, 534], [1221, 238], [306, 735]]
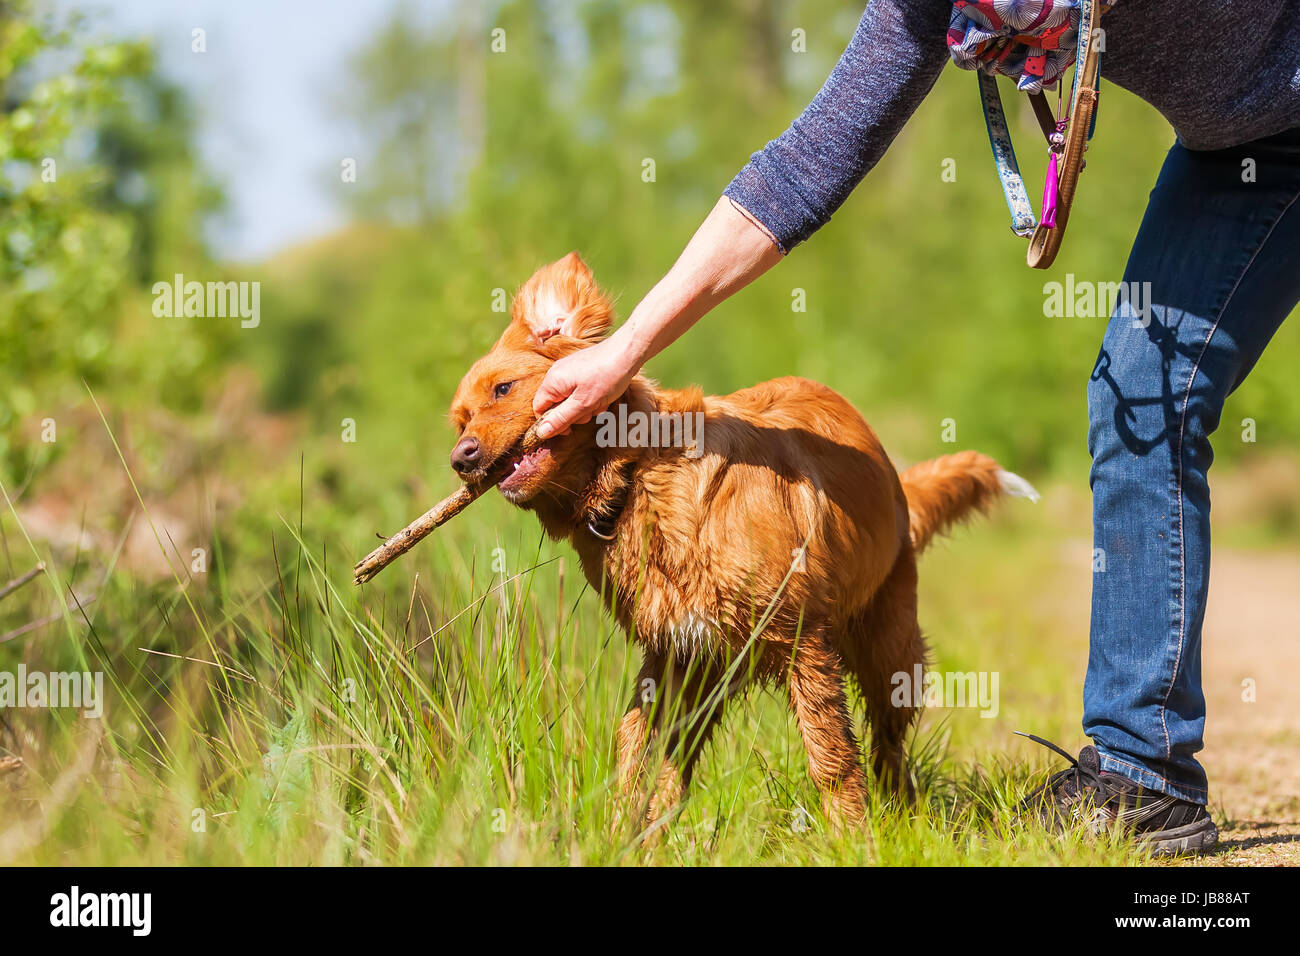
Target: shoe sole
[[1198, 837]]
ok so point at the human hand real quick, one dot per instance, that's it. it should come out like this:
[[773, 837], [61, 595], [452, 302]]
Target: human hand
[[582, 385]]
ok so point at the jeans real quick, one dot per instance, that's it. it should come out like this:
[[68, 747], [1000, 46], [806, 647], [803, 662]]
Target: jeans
[[1220, 246]]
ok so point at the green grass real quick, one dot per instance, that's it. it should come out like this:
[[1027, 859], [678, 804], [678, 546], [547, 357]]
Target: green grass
[[229, 688], [468, 717]]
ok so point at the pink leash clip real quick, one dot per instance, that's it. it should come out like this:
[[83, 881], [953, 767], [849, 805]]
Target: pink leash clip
[[1051, 186], [1050, 194]]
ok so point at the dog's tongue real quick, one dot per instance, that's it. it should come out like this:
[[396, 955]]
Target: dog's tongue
[[523, 468]]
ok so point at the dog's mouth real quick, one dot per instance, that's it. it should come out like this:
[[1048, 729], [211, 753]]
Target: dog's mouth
[[521, 469]]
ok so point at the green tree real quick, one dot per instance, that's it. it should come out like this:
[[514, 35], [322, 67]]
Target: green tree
[[100, 192]]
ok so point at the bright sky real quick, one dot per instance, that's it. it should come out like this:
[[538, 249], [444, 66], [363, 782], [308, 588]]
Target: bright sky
[[263, 91]]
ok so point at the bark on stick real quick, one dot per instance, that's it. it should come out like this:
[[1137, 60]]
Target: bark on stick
[[438, 515]]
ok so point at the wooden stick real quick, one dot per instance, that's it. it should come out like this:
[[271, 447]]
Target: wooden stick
[[438, 515]]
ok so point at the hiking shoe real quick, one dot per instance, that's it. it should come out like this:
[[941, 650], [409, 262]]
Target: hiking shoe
[[1087, 797]]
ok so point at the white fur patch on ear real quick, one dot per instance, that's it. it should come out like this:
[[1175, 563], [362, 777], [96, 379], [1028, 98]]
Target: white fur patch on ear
[[550, 315], [562, 299]]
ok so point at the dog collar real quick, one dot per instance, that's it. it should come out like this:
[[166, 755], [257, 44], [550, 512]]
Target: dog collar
[[604, 523]]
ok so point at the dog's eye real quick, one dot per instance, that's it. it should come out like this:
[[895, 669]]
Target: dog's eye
[[502, 390]]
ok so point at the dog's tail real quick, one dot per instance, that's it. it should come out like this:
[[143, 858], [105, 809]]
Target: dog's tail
[[944, 491]]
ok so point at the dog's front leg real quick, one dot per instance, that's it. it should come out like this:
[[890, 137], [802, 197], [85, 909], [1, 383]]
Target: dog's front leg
[[634, 738], [678, 707]]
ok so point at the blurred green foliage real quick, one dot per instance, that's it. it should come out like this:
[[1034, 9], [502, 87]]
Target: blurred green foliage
[[919, 304], [502, 136], [100, 193]]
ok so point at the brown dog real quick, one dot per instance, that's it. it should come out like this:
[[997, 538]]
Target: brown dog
[[761, 536]]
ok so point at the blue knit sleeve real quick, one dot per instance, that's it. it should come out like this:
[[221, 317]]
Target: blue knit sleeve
[[794, 184]]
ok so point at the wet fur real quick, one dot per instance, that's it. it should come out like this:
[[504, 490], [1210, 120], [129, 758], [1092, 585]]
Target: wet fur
[[704, 548]]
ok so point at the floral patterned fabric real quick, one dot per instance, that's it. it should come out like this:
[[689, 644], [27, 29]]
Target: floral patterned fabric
[[1032, 41]]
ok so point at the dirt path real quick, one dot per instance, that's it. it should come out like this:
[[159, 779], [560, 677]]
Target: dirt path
[[1252, 650]]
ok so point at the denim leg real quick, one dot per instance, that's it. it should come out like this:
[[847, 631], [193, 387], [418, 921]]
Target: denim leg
[[1221, 255]]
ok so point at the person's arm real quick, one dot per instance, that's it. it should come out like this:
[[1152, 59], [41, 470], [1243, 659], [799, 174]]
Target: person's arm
[[786, 192], [727, 252]]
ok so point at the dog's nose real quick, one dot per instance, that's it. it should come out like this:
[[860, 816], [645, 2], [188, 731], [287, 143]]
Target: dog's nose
[[465, 456]]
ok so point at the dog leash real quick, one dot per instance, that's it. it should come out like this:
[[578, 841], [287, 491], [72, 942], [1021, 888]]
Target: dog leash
[[1067, 138]]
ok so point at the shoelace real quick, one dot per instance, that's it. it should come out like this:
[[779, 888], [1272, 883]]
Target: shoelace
[[1075, 777]]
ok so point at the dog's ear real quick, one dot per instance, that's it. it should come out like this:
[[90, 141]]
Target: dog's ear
[[562, 299]]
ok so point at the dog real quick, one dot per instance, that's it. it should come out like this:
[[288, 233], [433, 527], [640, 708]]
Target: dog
[[776, 547]]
